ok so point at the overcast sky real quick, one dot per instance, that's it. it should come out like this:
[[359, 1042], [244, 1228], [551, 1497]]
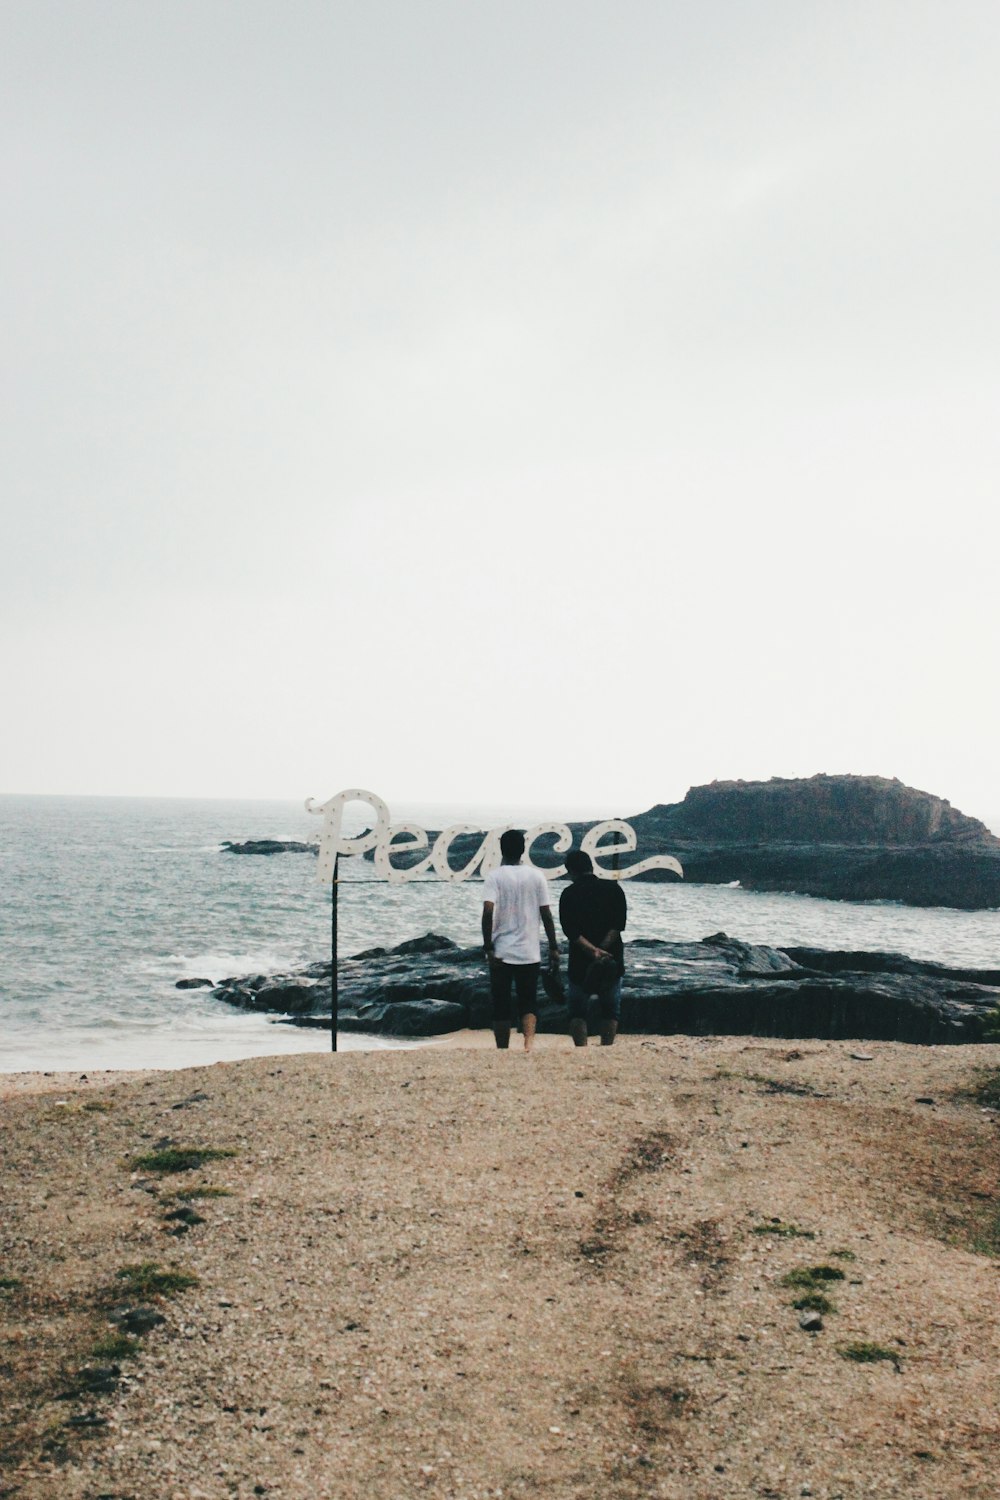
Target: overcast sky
[[559, 402]]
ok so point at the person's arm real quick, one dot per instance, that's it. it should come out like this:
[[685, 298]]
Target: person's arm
[[545, 912], [618, 918], [488, 928], [571, 927], [591, 949]]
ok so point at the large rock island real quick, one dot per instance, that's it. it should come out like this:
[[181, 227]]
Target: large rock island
[[847, 838]]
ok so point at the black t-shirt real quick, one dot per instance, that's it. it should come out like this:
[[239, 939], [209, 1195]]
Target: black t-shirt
[[591, 908]]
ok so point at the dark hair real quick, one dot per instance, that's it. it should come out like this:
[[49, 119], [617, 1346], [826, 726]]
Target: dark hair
[[512, 843], [578, 863]]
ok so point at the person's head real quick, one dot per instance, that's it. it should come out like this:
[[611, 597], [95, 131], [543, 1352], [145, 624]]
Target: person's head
[[512, 846], [578, 863]]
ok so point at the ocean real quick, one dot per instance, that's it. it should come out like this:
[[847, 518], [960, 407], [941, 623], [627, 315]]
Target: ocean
[[106, 902]]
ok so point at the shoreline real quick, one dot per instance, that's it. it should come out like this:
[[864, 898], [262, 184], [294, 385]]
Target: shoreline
[[28, 1083]]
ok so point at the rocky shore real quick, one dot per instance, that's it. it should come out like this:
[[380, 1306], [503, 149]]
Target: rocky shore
[[719, 986]]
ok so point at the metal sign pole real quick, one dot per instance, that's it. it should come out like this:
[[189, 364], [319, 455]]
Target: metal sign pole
[[334, 996]]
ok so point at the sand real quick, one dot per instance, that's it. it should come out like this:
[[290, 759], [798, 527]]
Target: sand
[[456, 1272]]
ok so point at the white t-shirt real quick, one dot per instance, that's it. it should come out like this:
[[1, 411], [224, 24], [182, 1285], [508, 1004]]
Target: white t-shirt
[[518, 893]]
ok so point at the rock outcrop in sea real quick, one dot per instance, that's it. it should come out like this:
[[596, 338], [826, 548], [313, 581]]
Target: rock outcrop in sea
[[268, 846], [718, 986], [846, 838]]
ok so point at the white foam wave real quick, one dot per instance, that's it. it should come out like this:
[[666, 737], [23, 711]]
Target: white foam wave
[[219, 964]]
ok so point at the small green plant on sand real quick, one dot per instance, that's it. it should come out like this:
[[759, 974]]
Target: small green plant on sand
[[150, 1280], [9, 1284], [843, 1255], [783, 1231], [864, 1353], [815, 1302], [98, 1106], [812, 1278], [187, 1195], [986, 1089], [115, 1346], [986, 1240], [179, 1158]]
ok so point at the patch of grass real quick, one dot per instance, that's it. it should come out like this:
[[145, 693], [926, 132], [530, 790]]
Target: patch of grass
[[864, 1353], [98, 1106], [9, 1284], [179, 1158], [843, 1255], [186, 1195], [991, 1025], [812, 1278], [783, 1231], [115, 1346], [815, 1302], [150, 1280], [986, 1241], [986, 1089]]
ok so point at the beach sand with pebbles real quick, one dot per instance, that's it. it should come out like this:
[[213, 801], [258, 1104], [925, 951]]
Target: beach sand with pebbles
[[450, 1271]]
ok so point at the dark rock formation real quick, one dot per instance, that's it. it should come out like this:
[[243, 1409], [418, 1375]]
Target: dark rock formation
[[848, 838], [716, 986], [194, 984], [268, 846], [853, 810]]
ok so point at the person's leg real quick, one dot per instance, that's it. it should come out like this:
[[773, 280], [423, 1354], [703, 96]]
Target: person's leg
[[576, 1000], [611, 1010], [501, 977], [526, 989]]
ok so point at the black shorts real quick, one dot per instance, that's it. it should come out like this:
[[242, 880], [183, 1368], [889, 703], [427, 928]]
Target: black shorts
[[524, 979]]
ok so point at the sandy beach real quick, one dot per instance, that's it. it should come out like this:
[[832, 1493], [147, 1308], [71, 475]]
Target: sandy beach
[[456, 1272]]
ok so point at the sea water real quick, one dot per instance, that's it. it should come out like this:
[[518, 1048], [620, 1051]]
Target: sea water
[[106, 902]]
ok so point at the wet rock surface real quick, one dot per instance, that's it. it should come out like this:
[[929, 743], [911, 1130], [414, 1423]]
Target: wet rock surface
[[718, 986]]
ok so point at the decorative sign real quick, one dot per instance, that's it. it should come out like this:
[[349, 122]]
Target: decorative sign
[[387, 838]]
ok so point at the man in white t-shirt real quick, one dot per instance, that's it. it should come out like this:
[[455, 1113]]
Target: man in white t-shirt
[[515, 899]]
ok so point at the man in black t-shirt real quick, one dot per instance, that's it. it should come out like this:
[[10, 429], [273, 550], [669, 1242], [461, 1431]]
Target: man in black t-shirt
[[593, 914]]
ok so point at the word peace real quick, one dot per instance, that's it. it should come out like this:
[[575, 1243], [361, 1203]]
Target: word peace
[[383, 840]]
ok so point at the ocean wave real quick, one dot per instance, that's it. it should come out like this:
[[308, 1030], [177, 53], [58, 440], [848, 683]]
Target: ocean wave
[[219, 964]]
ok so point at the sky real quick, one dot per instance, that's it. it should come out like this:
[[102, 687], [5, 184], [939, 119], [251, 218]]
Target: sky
[[559, 403]]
